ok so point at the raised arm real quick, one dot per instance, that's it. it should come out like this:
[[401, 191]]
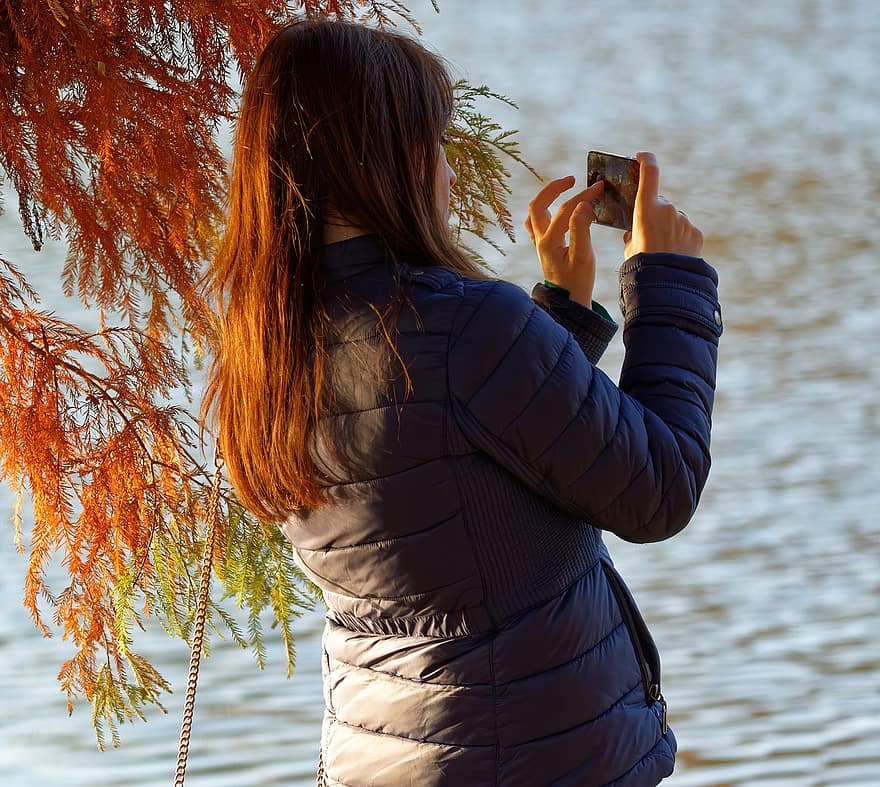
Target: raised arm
[[631, 459]]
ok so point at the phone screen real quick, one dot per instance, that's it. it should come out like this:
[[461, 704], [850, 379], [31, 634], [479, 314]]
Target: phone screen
[[621, 176]]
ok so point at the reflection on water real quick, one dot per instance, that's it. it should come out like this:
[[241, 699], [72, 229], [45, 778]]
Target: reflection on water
[[766, 124]]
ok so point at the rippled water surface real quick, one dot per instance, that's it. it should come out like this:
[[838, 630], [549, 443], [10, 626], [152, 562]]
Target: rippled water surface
[[766, 121]]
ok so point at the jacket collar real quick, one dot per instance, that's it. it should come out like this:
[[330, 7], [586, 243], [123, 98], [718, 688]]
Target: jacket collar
[[349, 257]]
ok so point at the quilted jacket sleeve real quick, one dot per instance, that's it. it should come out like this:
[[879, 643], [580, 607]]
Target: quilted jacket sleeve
[[631, 459]]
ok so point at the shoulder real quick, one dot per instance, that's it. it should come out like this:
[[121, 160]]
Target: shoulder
[[496, 293], [484, 316], [482, 306], [495, 296], [489, 299], [496, 312], [431, 278], [502, 344]]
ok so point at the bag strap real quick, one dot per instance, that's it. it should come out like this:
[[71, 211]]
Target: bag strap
[[199, 626], [319, 777]]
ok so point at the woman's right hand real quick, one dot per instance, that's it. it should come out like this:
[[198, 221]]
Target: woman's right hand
[[657, 225]]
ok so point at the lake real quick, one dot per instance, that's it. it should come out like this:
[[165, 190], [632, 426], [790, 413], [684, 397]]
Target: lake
[[766, 121]]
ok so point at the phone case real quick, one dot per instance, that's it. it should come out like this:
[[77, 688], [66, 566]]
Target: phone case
[[621, 177]]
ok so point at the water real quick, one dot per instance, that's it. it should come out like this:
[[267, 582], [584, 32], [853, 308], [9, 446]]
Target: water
[[765, 119]]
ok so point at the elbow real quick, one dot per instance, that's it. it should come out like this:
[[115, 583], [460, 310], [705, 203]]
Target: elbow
[[677, 507]]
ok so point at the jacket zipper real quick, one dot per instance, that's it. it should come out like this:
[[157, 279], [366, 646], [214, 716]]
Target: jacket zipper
[[652, 687]]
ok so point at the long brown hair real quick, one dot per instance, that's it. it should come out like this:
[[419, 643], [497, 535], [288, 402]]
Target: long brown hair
[[333, 113]]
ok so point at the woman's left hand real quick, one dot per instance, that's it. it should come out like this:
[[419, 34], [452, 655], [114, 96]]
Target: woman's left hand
[[571, 266]]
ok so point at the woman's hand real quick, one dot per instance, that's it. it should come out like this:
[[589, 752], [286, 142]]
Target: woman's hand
[[657, 225], [572, 266]]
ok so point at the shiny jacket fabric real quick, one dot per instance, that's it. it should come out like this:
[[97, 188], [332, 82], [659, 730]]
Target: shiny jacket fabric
[[477, 632]]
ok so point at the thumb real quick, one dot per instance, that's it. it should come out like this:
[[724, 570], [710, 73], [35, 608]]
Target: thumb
[[649, 178]]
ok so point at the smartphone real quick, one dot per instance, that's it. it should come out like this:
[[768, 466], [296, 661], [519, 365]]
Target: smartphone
[[621, 176]]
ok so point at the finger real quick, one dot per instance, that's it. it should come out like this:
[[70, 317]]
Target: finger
[[649, 177], [555, 233], [539, 207], [627, 237], [579, 226]]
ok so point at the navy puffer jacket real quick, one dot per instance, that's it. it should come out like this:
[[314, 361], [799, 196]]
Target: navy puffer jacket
[[477, 632]]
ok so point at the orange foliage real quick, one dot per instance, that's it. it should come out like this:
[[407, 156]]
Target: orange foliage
[[107, 466], [108, 114]]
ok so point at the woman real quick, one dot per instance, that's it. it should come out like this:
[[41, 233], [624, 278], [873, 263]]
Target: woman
[[438, 446]]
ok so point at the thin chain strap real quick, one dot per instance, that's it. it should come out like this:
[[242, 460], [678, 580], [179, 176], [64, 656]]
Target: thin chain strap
[[319, 781], [199, 627]]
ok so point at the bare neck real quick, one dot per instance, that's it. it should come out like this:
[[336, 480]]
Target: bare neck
[[337, 228]]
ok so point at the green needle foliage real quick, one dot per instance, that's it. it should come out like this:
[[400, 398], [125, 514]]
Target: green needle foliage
[[477, 150]]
